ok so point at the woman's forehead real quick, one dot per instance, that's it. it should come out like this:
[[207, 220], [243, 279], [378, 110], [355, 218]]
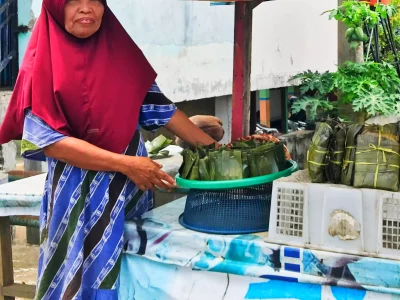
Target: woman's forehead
[[56, 8]]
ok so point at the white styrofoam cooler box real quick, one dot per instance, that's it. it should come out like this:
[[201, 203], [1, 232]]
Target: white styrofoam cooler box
[[335, 217]]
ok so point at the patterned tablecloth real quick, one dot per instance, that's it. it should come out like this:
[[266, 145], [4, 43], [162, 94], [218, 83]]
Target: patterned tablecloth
[[22, 197], [158, 247]]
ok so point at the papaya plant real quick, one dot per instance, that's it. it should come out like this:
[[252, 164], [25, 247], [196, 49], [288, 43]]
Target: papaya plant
[[358, 15], [315, 89], [369, 87]]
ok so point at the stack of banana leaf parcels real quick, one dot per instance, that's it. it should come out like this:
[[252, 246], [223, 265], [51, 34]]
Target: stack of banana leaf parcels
[[239, 160], [363, 156]]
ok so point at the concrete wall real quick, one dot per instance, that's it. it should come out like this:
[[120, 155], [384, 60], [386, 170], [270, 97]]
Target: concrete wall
[[8, 151], [383, 120], [223, 108], [190, 43], [298, 143]]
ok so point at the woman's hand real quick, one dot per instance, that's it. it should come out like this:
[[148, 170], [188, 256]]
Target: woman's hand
[[144, 172], [147, 174], [185, 129]]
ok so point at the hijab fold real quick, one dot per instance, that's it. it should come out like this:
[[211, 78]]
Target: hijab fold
[[91, 89]]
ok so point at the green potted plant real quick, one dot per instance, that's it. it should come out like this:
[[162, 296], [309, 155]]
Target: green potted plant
[[370, 89]]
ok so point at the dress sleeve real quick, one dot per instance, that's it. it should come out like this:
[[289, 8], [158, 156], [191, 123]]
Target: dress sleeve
[[37, 135], [157, 110]]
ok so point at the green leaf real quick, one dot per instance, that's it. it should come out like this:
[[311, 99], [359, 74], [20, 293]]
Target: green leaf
[[396, 111], [375, 102], [157, 145], [315, 82], [312, 105]]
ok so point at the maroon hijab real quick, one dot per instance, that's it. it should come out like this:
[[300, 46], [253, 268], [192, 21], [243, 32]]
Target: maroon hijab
[[89, 89]]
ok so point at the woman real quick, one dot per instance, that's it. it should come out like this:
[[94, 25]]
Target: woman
[[83, 90]]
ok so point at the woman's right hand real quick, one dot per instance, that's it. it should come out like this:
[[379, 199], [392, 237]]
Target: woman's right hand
[[146, 173]]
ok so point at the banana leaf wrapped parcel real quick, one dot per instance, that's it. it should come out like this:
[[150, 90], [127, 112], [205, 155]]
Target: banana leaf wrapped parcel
[[255, 139], [280, 155], [235, 165], [194, 172], [377, 160], [157, 146], [238, 160], [189, 158], [347, 174], [336, 153], [317, 156], [264, 157]]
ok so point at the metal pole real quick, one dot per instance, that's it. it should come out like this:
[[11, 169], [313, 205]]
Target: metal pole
[[284, 93], [376, 42]]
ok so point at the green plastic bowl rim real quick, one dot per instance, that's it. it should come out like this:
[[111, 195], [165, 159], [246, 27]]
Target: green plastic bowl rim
[[234, 184]]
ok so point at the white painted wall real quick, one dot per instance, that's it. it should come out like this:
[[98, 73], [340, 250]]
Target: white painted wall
[[223, 107], [9, 150], [190, 43], [291, 36]]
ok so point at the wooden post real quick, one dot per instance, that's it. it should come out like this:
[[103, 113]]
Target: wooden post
[[242, 69], [8, 289], [6, 262], [32, 167]]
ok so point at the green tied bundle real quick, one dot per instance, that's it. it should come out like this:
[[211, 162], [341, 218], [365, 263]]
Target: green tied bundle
[[336, 153], [347, 176], [244, 159], [377, 160], [317, 155]]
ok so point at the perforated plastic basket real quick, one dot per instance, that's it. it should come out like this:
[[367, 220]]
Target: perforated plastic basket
[[230, 207], [338, 218]]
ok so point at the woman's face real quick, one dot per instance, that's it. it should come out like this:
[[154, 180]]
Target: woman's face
[[83, 17]]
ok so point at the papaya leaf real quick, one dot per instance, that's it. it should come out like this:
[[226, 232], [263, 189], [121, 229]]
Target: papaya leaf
[[312, 105], [375, 102]]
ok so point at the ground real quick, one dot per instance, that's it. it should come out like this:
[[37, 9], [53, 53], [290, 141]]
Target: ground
[[25, 262], [25, 258]]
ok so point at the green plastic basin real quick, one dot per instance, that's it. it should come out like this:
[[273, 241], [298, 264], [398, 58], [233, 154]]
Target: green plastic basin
[[234, 184]]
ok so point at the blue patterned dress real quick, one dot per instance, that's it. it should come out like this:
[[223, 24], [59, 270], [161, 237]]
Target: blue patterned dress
[[83, 212]]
